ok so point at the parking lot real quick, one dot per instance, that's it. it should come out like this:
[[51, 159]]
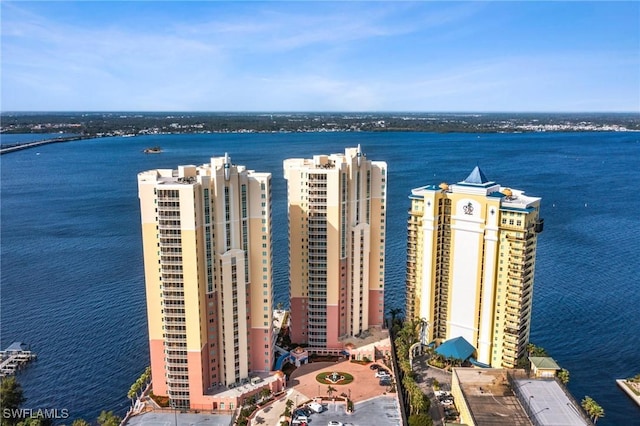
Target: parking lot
[[384, 409]]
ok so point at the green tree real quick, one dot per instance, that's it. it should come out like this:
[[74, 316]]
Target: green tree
[[593, 409], [597, 413], [420, 420], [563, 376], [107, 418], [534, 350], [436, 384], [331, 390], [11, 398], [394, 313], [265, 393], [35, 421], [80, 422], [287, 410]]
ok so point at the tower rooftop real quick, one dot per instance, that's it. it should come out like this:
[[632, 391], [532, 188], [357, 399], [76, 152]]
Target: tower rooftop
[[476, 177]]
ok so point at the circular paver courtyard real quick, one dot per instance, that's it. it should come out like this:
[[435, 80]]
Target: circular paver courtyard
[[364, 385]]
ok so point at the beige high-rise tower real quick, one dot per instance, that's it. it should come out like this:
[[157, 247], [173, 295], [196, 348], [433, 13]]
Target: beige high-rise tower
[[206, 235], [470, 265], [337, 206]]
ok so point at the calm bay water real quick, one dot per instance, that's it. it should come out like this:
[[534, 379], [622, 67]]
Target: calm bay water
[[72, 280]]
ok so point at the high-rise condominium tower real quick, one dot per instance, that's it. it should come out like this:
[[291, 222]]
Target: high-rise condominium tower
[[207, 252], [337, 206], [470, 264]]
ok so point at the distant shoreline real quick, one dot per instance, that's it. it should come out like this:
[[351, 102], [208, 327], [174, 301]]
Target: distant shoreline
[[100, 124], [540, 128]]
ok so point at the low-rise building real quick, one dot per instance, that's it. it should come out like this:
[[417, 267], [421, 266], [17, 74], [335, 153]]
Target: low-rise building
[[493, 397], [543, 366]]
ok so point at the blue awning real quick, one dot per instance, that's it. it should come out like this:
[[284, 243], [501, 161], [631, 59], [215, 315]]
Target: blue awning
[[457, 348], [477, 363]]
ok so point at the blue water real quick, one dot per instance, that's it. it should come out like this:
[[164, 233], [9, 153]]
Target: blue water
[[72, 275]]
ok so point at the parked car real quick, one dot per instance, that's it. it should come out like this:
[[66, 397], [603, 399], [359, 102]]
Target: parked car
[[382, 373], [374, 367], [307, 411], [385, 381], [301, 412], [334, 423], [316, 407]]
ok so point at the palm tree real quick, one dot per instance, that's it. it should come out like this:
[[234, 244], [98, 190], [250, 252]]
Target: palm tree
[[287, 410], [331, 390], [11, 396], [563, 375], [593, 409], [394, 313], [597, 412], [107, 418], [530, 348], [587, 404], [264, 393]]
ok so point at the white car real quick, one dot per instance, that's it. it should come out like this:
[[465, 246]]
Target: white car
[[382, 373], [318, 408], [334, 423]]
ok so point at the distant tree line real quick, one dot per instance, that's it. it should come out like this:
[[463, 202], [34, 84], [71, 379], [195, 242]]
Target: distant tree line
[[96, 123]]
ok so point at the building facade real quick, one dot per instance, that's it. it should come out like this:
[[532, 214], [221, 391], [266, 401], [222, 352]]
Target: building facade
[[206, 235], [471, 254], [337, 212]]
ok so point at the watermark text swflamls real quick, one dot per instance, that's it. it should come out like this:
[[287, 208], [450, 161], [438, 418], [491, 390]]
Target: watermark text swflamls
[[35, 413]]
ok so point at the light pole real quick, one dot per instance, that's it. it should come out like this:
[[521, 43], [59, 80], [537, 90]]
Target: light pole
[[538, 412], [175, 413]]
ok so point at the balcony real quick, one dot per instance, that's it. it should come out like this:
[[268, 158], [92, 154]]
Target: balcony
[[173, 298], [169, 226], [167, 245], [180, 315]]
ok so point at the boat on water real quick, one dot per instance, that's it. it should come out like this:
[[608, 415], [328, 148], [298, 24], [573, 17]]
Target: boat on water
[[153, 150]]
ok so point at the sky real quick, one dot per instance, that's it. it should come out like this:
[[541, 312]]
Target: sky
[[426, 56]]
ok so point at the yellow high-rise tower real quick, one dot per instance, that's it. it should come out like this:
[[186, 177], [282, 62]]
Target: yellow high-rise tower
[[337, 206], [470, 265], [206, 235]]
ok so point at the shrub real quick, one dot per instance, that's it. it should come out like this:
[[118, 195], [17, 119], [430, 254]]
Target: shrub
[[420, 420], [321, 378]]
